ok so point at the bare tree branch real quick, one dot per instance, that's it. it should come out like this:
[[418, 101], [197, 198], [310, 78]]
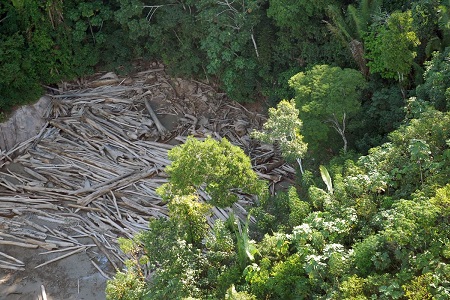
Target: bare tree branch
[[340, 129], [254, 44]]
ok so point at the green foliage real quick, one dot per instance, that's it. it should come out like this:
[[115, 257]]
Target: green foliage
[[436, 87], [279, 213], [228, 42], [391, 46], [303, 37], [179, 264], [299, 209], [283, 127], [353, 288], [222, 168], [271, 214], [326, 178], [245, 247], [129, 285], [174, 35], [126, 286], [399, 168], [381, 113], [418, 288], [326, 97], [190, 216], [351, 27], [232, 294], [365, 255], [442, 200]]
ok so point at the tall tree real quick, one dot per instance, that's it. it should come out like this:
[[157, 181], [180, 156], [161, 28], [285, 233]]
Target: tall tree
[[283, 127], [351, 27], [391, 46], [218, 167], [327, 97]]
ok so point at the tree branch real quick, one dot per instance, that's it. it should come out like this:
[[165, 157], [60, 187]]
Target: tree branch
[[340, 129], [254, 44]]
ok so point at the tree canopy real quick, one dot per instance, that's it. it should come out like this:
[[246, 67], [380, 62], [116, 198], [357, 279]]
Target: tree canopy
[[218, 167], [284, 127], [327, 97]]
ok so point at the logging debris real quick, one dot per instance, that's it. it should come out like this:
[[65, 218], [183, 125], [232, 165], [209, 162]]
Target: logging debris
[[91, 173]]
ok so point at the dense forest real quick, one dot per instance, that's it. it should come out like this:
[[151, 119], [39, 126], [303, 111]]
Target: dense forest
[[360, 96]]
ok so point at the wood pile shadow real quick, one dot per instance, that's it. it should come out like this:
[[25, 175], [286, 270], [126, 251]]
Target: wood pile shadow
[[91, 173]]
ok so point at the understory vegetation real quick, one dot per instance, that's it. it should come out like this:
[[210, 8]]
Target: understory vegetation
[[360, 96]]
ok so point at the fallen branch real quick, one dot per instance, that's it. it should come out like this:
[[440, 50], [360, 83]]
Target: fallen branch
[[61, 257], [18, 244], [11, 267], [11, 258]]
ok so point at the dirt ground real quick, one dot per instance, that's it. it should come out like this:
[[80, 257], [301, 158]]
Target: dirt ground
[[73, 278]]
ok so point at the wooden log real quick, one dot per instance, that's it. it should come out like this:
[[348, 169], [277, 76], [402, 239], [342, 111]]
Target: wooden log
[[35, 174], [67, 249], [30, 233], [47, 245], [3, 262], [105, 251], [136, 176], [44, 294], [61, 257], [11, 258], [11, 267], [119, 215], [59, 243], [32, 224], [161, 129], [98, 186], [100, 270], [18, 244], [83, 207]]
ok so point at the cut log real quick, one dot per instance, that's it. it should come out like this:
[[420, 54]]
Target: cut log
[[11, 267], [12, 258], [18, 244], [161, 129]]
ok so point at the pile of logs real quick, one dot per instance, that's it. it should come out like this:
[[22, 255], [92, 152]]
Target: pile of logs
[[90, 175]]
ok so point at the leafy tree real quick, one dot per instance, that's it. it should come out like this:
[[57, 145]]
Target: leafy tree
[[189, 215], [36, 48], [130, 284], [283, 127], [442, 200], [352, 26], [279, 213], [436, 86], [232, 294], [327, 97], [178, 265], [173, 32], [391, 46], [230, 44], [419, 287], [353, 288], [302, 39], [381, 113], [219, 167], [126, 286]]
